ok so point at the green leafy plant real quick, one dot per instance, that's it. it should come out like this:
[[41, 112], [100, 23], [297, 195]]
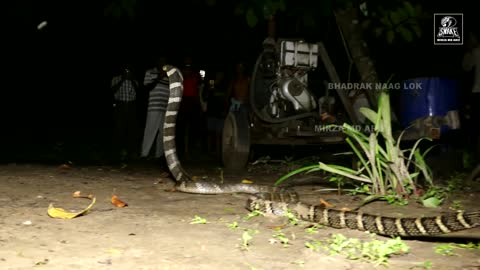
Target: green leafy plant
[[374, 251], [198, 220], [314, 245], [339, 180], [457, 205], [222, 180], [247, 236], [313, 229], [435, 195], [256, 10], [390, 172], [427, 265], [292, 218], [252, 214], [447, 249], [397, 22], [280, 237], [299, 263], [469, 245], [233, 225]]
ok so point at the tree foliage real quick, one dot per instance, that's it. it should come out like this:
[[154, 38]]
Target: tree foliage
[[253, 10], [120, 9], [399, 21], [392, 21]]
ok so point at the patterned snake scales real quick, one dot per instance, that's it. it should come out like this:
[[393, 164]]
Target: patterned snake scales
[[278, 201]]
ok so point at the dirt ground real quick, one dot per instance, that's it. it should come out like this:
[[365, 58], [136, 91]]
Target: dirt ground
[[155, 232]]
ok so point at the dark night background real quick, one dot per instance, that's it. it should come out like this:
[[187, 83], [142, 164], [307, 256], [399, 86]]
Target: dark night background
[[55, 81]]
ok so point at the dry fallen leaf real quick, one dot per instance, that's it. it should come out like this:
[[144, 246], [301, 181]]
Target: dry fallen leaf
[[164, 175], [61, 213], [117, 202], [113, 251], [246, 181], [44, 262], [159, 181], [78, 194], [277, 227], [326, 204], [64, 167]]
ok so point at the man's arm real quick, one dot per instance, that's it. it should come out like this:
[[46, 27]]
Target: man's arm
[[116, 83], [135, 83], [150, 79], [227, 97]]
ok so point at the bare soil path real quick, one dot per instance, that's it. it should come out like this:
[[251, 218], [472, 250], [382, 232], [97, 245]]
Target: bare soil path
[[155, 230]]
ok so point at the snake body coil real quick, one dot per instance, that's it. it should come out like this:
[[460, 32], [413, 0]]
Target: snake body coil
[[278, 201]]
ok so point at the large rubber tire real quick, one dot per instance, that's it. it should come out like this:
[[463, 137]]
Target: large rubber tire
[[236, 141]]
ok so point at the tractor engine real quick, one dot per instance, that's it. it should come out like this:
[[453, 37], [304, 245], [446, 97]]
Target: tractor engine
[[288, 90]]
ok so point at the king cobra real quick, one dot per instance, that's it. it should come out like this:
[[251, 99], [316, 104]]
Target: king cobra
[[280, 201]]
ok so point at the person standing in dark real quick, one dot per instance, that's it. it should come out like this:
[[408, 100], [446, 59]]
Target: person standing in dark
[[156, 82], [239, 88], [189, 128], [124, 87], [216, 111], [471, 65]]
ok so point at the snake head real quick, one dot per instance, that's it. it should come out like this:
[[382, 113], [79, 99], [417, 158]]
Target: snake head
[[171, 70], [167, 68]]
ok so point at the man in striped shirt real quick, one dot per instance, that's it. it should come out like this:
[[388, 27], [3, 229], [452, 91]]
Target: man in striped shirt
[[124, 88], [156, 80]]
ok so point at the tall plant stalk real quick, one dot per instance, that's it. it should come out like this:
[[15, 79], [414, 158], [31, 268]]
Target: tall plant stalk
[[384, 165]]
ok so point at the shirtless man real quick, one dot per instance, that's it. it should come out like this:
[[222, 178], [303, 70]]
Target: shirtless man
[[238, 90]]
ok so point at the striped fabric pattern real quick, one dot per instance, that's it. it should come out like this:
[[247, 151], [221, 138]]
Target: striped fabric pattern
[[126, 92], [158, 98]]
